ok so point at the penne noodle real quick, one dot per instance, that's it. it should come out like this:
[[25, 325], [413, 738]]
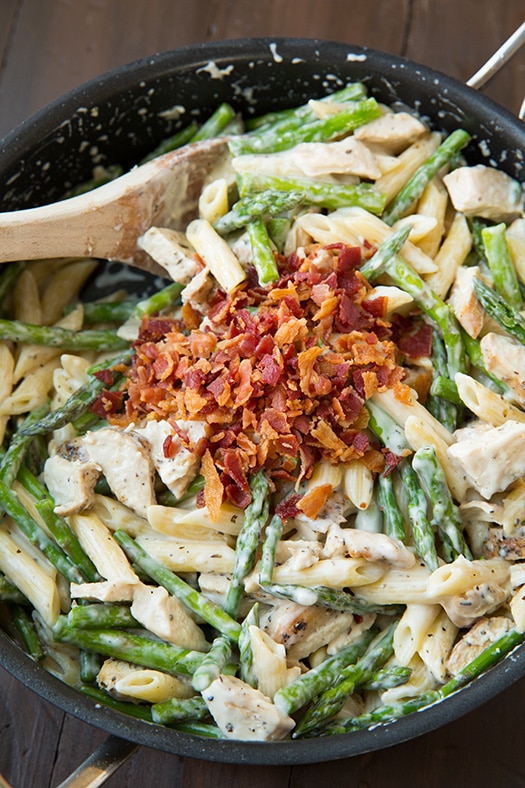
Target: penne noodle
[[485, 403], [412, 630], [461, 575], [98, 543], [451, 255], [335, 573], [195, 556], [213, 202], [196, 523], [29, 576], [358, 484]]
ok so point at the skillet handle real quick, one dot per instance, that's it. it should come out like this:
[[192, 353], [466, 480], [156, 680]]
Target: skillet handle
[[502, 55], [101, 764]]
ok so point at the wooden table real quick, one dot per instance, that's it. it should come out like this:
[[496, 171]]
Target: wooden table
[[49, 46]]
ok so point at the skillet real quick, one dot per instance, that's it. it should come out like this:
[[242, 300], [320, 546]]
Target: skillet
[[123, 115]]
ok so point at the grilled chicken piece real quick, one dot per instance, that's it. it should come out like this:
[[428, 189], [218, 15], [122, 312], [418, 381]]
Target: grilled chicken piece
[[479, 601], [464, 303], [505, 358], [484, 191], [71, 481], [244, 713], [490, 457], [177, 466], [166, 617], [393, 131], [476, 640]]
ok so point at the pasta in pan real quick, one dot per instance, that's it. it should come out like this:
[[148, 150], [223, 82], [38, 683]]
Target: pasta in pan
[[282, 496]]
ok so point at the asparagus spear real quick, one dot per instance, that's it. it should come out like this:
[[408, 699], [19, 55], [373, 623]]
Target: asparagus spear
[[445, 514], [101, 616], [106, 311], [282, 136], [206, 609], [394, 521], [422, 531], [500, 263], [176, 710], [272, 536], [14, 456], [9, 592], [262, 252], [389, 432], [390, 247], [443, 401], [218, 121], [138, 649], [8, 277], [415, 186], [325, 195], [270, 203], [160, 300], [332, 700], [387, 678], [404, 276], [478, 665], [177, 140], [308, 685], [79, 402], [57, 526], [245, 646], [333, 598], [54, 336], [89, 665], [502, 312], [212, 663], [138, 710], [295, 116], [255, 518], [23, 622], [10, 504]]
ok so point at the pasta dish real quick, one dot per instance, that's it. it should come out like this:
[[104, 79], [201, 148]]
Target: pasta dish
[[283, 495]]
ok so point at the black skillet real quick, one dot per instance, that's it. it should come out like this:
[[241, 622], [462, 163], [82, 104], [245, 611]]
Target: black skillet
[[122, 116]]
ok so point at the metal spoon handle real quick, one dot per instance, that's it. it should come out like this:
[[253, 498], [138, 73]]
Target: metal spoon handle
[[106, 759], [502, 55]]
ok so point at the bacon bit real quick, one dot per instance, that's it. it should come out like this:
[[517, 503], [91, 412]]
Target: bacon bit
[[391, 461], [327, 309], [105, 376], [327, 438], [153, 329], [370, 383], [279, 375], [194, 403], [191, 316], [312, 503], [244, 390], [293, 330], [108, 403], [213, 487], [170, 447], [418, 343], [312, 384], [403, 393], [376, 306], [288, 508]]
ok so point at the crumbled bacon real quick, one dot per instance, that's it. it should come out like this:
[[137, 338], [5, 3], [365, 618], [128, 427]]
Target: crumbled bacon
[[107, 404], [280, 375]]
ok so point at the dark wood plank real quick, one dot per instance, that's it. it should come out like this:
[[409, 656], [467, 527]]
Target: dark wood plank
[[49, 46], [458, 38]]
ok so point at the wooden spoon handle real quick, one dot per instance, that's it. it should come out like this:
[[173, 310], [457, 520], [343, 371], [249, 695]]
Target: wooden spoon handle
[[107, 222]]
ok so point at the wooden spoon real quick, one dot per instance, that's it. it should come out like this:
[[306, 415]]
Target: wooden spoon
[[108, 221]]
